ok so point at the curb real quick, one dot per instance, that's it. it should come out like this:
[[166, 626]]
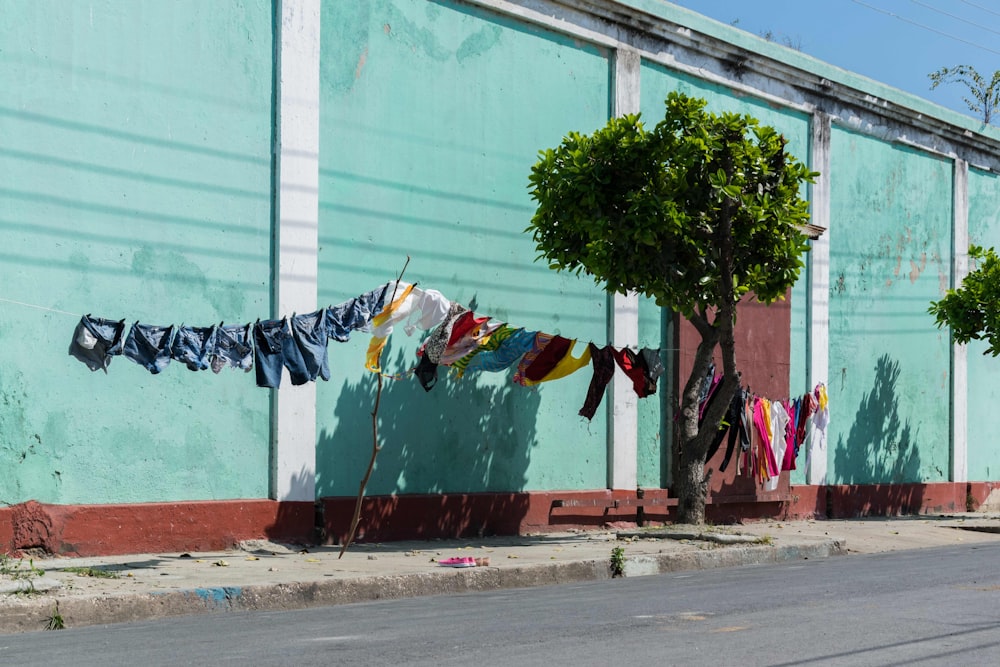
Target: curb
[[33, 614]]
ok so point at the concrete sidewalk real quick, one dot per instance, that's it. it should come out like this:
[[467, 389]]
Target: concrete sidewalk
[[268, 576]]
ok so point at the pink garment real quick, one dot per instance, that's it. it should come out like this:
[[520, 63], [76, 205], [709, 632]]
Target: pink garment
[[761, 414], [789, 462]]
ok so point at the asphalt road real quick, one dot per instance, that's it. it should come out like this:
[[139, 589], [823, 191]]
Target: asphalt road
[[921, 607]]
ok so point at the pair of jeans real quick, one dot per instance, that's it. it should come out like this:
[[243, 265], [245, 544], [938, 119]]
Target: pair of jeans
[[273, 347], [232, 348], [310, 334], [356, 314], [192, 346], [96, 340], [149, 346]]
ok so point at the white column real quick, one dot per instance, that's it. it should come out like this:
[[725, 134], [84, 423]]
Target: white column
[[293, 450], [959, 358], [623, 325], [819, 277]]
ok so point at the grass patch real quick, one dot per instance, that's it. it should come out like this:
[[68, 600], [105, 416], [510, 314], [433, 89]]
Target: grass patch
[[92, 572]]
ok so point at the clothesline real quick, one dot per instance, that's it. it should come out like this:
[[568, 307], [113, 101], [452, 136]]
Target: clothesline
[[33, 305]]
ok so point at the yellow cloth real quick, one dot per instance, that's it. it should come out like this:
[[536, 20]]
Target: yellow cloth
[[566, 366], [823, 398], [377, 343]]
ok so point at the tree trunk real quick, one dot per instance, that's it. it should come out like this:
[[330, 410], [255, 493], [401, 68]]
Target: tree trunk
[[692, 490]]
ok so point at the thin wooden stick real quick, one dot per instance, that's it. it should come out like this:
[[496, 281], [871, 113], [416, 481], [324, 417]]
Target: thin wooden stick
[[376, 448]]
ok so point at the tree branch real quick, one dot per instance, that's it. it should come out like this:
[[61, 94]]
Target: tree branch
[[376, 448]]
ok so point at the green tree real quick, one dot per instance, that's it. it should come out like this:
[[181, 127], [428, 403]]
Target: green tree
[[973, 310], [985, 94], [696, 214]]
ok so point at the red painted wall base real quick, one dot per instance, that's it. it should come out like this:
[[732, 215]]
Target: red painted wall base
[[101, 530]]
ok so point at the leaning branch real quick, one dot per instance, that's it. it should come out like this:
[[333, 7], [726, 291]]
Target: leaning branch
[[376, 448]]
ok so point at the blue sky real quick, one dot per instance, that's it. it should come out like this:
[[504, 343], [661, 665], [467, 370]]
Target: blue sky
[[897, 42]]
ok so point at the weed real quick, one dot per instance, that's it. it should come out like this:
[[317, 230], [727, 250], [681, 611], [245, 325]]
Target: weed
[[618, 562], [14, 568], [95, 572], [55, 621]]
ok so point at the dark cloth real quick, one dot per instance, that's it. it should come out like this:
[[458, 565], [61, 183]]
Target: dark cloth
[[603, 361], [652, 369], [426, 372], [548, 358], [96, 340]]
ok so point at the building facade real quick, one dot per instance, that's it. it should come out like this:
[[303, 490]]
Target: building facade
[[226, 162]]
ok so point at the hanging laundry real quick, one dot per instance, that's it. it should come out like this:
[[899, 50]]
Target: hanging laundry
[[603, 361], [545, 361], [652, 369], [426, 373], [310, 334], [382, 325], [356, 314], [490, 343], [430, 307], [193, 345], [820, 422], [566, 366], [791, 409], [740, 420], [779, 420], [636, 367], [96, 340], [434, 346], [467, 343], [149, 346], [541, 341], [233, 347], [510, 350], [269, 342]]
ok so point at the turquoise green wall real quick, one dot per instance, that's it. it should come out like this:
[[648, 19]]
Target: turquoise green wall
[[431, 117], [984, 390], [136, 184], [890, 255], [656, 83]]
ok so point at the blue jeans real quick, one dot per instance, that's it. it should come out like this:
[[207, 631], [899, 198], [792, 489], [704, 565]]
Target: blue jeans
[[96, 340], [149, 346], [356, 314], [232, 347], [192, 345], [274, 347], [311, 334]]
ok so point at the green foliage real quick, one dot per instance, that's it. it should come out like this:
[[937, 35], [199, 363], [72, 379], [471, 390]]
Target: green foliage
[[973, 310], [617, 562], [671, 213], [985, 94], [15, 568], [55, 621]]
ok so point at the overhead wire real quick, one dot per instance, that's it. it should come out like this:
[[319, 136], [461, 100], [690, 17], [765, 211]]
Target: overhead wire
[[924, 27]]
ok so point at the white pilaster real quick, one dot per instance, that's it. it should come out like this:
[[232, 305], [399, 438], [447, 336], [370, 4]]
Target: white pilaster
[[959, 353], [819, 278], [293, 451], [623, 325]]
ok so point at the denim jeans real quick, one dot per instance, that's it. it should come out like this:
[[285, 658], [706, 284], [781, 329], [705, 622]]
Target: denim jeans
[[268, 351], [311, 335], [233, 348], [356, 314], [193, 345], [96, 340], [149, 346]]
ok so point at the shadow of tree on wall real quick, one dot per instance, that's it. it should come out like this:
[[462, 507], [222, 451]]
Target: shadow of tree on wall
[[436, 447], [879, 452]]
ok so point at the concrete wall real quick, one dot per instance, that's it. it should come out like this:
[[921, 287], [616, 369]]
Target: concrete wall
[[135, 145], [196, 162], [432, 116]]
